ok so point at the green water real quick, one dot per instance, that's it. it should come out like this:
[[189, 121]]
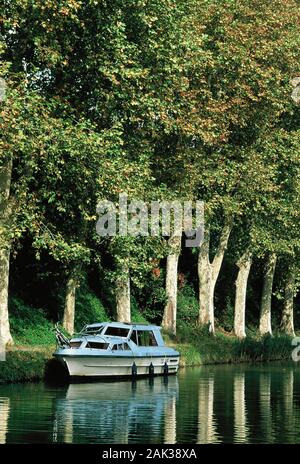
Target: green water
[[220, 404]]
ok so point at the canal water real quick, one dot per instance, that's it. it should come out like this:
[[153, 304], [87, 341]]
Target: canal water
[[212, 404]]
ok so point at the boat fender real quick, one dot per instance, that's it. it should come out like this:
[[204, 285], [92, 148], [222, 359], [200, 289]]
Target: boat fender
[[166, 368], [151, 370], [134, 370]]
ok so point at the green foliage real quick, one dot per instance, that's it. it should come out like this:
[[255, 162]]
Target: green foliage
[[198, 347], [24, 366], [29, 325], [89, 308], [151, 295], [136, 314], [266, 349], [159, 99], [226, 317], [188, 306]]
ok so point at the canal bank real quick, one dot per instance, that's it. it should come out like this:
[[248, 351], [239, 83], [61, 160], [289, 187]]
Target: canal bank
[[35, 363]]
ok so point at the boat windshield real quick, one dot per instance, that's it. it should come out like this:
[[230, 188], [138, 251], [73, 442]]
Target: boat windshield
[[116, 331], [92, 330]]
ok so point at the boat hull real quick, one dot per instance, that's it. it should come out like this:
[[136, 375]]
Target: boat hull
[[107, 366]]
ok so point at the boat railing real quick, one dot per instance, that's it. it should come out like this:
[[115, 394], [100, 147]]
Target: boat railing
[[61, 339]]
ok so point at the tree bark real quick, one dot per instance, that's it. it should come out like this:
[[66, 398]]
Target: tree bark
[[287, 321], [70, 302], [208, 273], [265, 326], [123, 297], [5, 214], [170, 310], [5, 335], [244, 265]]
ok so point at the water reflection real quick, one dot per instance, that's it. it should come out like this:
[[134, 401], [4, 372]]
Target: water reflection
[[288, 404], [221, 404], [240, 410], [115, 412], [4, 415], [288, 392], [265, 406], [68, 425], [206, 421], [170, 422]]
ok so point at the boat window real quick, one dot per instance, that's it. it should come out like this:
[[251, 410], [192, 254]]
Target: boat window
[[97, 345], [92, 330], [119, 346], [117, 331], [126, 346], [133, 337], [75, 344], [146, 338]]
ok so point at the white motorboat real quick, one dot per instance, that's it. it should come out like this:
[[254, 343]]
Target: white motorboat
[[113, 349]]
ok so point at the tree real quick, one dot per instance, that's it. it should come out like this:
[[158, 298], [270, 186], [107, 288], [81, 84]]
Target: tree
[[244, 265], [25, 121], [170, 310], [287, 321], [265, 326], [208, 273], [230, 101]]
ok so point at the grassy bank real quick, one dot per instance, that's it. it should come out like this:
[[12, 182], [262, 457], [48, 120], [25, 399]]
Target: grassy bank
[[31, 357], [221, 348], [24, 364], [32, 363]]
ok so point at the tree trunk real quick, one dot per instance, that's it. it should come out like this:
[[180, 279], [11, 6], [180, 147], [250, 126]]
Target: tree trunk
[[287, 321], [208, 273], [5, 214], [265, 326], [170, 310], [123, 297], [205, 280], [244, 265], [5, 335], [70, 300]]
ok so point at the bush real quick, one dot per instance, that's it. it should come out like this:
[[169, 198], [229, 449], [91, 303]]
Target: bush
[[151, 297], [226, 318], [136, 315], [187, 306], [29, 326], [24, 366], [89, 308], [267, 348]]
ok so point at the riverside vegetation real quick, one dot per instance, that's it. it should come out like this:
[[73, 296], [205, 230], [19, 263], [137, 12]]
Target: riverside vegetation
[[31, 358], [160, 99]]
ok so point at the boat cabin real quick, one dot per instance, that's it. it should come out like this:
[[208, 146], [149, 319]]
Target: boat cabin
[[118, 336]]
